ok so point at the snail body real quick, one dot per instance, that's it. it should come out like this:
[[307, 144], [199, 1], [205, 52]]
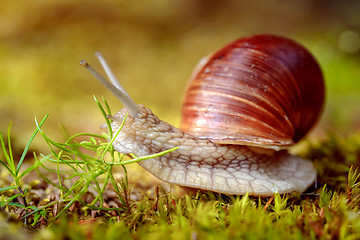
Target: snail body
[[201, 163], [248, 161]]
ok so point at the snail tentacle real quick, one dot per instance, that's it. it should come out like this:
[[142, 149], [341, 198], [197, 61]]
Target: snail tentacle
[[110, 73], [129, 104]]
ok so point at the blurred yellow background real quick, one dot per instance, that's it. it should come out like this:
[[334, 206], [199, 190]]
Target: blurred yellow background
[[152, 47]]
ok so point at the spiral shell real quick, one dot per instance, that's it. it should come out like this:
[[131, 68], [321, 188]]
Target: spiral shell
[[263, 90]]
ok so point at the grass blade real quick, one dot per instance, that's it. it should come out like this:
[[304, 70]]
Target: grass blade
[[138, 159], [108, 123], [9, 160], [29, 143], [8, 188]]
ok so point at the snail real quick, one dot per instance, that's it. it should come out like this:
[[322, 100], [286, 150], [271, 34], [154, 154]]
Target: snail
[[243, 107]]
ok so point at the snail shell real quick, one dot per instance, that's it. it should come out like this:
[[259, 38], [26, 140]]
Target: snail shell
[[264, 90]]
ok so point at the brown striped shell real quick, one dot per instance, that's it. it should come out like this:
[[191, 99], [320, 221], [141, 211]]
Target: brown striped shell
[[263, 90]]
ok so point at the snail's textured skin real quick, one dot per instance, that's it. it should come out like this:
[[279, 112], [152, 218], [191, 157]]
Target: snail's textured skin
[[202, 164]]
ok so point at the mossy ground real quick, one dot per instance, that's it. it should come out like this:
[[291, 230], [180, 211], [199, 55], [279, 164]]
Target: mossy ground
[[73, 193]]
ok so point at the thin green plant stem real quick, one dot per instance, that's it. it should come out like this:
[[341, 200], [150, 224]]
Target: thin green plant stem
[[32, 167], [107, 106], [63, 161], [75, 198], [9, 199], [54, 161], [116, 188], [114, 137], [99, 190], [7, 188], [126, 175], [11, 162], [138, 159], [58, 174], [52, 183], [102, 189], [73, 187], [45, 206], [4, 164], [104, 114], [29, 143], [71, 138], [58, 145], [99, 196]]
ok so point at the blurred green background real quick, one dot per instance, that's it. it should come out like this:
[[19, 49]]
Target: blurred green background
[[152, 47]]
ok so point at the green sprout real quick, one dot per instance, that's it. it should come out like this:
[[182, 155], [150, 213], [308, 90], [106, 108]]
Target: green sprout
[[13, 168], [82, 163]]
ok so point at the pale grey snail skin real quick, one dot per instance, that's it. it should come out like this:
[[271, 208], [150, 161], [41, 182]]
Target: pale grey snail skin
[[201, 163]]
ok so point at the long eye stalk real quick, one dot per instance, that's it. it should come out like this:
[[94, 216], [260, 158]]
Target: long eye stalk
[[109, 73], [124, 98]]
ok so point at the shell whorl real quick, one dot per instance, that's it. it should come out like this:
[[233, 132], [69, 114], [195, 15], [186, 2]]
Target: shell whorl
[[262, 90]]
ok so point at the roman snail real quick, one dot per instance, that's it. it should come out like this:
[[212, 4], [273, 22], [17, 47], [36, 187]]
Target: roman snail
[[244, 105]]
